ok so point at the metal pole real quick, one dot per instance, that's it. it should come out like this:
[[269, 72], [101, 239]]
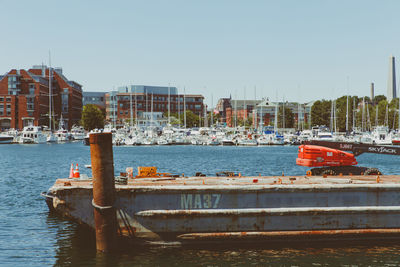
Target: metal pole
[[103, 191], [130, 94], [184, 105]]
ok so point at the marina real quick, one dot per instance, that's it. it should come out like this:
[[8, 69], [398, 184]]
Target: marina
[[212, 133]]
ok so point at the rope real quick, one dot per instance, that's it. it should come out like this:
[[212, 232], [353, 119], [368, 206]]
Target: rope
[[100, 207]]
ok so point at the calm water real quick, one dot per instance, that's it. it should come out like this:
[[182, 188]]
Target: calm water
[[30, 236]]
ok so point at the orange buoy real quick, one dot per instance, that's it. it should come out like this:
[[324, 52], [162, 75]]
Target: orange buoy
[[76, 173]]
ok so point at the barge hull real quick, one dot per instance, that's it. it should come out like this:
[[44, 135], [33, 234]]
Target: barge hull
[[186, 210]]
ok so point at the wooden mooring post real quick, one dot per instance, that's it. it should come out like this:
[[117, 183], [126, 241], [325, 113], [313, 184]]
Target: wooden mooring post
[[103, 191]]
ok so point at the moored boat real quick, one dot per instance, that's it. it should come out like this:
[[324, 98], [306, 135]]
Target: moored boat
[[6, 138], [32, 135]]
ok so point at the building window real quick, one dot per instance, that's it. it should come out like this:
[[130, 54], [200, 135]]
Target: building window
[[1, 99], [8, 99], [30, 106]]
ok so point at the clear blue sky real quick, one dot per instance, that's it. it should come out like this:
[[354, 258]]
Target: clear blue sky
[[300, 50]]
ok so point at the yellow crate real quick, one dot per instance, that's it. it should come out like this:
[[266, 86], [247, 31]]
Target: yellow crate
[[147, 172]]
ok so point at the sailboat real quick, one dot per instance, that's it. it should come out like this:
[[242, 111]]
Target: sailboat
[[276, 139], [51, 138], [62, 134], [396, 137]]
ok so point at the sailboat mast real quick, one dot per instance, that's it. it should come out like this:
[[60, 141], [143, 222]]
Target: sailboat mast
[[255, 105], [347, 114], [283, 114], [354, 115], [334, 114], [136, 113], [184, 105], [331, 122], [376, 115], [235, 107], [50, 91], [151, 119], [387, 116], [244, 108], [368, 124], [130, 94], [363, 115], [169, 95], [179, 108], [262, 119], [276, 118], [212, 110]]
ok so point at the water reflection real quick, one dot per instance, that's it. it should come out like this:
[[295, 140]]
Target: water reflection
[[75, 246]]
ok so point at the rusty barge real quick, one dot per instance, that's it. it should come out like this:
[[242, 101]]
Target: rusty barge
[[182, 210]]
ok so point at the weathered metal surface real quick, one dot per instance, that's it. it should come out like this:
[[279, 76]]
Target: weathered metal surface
[[286, 234], [181, 209], [103, 191]]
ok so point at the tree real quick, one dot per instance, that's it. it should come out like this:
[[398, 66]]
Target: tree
[[289, 117], [378, 98], [321, 112], [341, 111], [245, 122], [192, 120], [216, 118], [92, 117]]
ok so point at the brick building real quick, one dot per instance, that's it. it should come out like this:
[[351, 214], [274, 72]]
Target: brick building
[[24, 98], [260, 111], [95, 98], [118, 103]]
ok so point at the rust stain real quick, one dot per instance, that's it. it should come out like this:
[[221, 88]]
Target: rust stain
[[224, 235]]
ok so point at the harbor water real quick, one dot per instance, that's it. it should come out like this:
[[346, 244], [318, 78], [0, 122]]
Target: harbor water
[[30, 235]]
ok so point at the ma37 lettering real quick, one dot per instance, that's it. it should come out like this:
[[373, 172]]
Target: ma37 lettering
[[200, 201]]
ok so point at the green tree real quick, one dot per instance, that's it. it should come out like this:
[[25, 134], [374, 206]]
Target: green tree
[[289, 117], [341, 111], [321, 112], [378, 98], [245, 122], [92, 117], [192, 120], [216, 118]]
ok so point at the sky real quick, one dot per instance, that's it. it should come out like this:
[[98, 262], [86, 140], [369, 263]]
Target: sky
[[292, 50]]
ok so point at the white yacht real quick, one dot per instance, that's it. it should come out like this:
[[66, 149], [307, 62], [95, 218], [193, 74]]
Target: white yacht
[[62, 134], [381, 136], [78, 133], [6, 138], [51, 138], [32, 135]]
